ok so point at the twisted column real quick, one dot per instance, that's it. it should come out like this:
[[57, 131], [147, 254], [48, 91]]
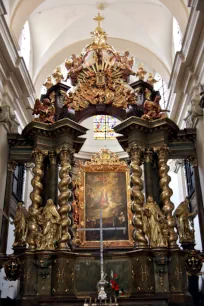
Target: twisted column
[[166, 193], [35, 197], [65, 198], [137, 197]]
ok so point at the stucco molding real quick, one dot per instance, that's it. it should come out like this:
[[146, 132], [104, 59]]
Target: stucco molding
[[8, 118]]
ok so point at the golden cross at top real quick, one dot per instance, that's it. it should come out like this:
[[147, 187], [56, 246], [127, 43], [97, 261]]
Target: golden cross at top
[[99, 18]]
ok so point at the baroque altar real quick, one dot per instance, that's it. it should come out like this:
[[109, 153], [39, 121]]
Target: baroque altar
[[114, 217]]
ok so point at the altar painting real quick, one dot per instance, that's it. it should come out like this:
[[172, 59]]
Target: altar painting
[[104, 183], [106, 191]]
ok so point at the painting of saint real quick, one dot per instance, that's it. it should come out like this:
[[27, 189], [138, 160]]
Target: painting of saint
[[106, 191]]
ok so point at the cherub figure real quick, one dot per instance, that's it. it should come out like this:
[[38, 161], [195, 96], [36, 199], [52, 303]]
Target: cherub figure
[[152, 110], [74, 66], [182, 215], [126, 64], [45, 110]]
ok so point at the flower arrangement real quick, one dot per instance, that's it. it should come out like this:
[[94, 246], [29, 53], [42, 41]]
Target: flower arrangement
[[115, 285]]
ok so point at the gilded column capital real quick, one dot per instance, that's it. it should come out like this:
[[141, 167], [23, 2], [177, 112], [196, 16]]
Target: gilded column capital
[[193, 161], [39, 155], [135, 151], [162, 152], [12, 166], [148, 156], [53, 157], [65, 153]]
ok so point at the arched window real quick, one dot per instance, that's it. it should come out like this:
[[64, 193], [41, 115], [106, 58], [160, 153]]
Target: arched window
[[162, 87], [104, 127], [177, 36], [24, 43]]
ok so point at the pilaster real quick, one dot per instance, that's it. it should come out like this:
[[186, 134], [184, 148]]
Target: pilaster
[[7, 124]]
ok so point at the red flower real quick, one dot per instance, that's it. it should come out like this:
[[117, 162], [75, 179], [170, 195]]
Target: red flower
[[113, 282], [117, 288], [115, 275]]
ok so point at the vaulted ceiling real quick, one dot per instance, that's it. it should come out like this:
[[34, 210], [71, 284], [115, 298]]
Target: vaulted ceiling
[[60, 28]]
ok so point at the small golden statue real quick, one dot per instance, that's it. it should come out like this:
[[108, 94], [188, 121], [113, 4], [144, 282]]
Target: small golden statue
[[21, 225], [57, 75], [74, 66], [152, 110], [48, 83], [45, 110], [182, 215], [151, 80], [141, 72], [50, 222], [154, 224]]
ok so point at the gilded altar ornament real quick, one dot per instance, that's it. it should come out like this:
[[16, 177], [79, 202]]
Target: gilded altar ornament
[[137, 196], [141, 72], [21, 225], [194, 263], [12, 268], [50, 222], [151, 80], [183, 219], [154, 224], [152, 109], [45, 111], [64, 198], [166, 193], [57, 75], [100, 75], [36, 182], [48, 83]]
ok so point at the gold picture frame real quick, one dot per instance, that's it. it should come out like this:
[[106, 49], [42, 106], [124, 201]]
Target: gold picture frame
[[108, 180]]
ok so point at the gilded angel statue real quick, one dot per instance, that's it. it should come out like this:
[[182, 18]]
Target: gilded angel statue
[[74, 65], [45, 110], [182, 215], [50, 222], [154, 224], [21, 225]]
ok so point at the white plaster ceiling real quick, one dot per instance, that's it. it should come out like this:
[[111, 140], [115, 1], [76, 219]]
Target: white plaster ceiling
[[60, 28]]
